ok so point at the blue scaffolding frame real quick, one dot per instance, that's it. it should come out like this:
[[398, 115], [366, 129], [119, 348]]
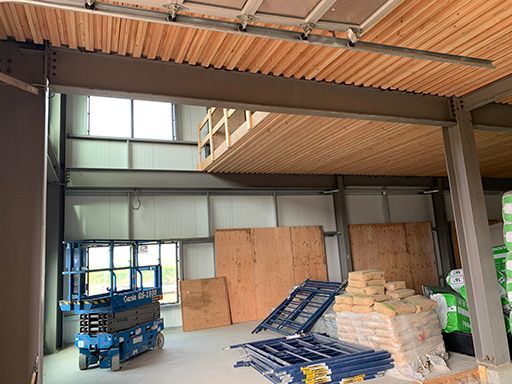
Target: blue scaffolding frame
[[299, 312]]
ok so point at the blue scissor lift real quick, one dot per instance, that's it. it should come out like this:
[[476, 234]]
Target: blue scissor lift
[[120, 323]]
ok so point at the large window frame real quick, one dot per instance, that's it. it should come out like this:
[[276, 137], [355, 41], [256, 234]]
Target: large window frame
[[131, 136]]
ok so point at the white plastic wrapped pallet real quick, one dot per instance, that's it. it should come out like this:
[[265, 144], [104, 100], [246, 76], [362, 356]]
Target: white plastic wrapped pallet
[[414, 340]]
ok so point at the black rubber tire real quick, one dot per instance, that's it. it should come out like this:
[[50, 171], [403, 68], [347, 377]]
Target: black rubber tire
[[160, 341], [115, 363], [83, 362]]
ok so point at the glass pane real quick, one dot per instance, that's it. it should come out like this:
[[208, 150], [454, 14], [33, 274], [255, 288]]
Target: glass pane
[[99, 282], [99, 257], [122, 279], [109, 116], [169, 265], [148, 255], [152, 120], [148, 279], [122, 256]]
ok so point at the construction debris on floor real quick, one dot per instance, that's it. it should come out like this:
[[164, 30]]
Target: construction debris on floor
[[313, 359], [387, 315]]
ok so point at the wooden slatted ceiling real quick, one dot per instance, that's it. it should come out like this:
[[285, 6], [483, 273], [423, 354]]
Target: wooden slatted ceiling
[[294, 144], [480, 28]]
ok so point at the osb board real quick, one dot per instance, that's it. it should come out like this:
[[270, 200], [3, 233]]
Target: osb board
[[404, 251], [234, 259], [471, 376], [273, 259], [204, 304]]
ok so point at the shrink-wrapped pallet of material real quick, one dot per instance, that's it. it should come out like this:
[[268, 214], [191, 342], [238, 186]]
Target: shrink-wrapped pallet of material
[[414, 340]]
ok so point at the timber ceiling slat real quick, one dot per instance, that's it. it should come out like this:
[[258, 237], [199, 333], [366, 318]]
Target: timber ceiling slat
[[318, 145], [481, 28]]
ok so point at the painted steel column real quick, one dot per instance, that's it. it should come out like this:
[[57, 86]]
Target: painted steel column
[[442, 228], [22, 216], [340, 211], [470, 213]]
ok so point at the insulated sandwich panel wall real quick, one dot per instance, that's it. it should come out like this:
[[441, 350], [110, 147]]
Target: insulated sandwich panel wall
[[163, 156], [307, 210], [170, 217], [364, 209], [410, 208], [96, 217], [188, 120], [92, 153], [198, 261], [243, 211]]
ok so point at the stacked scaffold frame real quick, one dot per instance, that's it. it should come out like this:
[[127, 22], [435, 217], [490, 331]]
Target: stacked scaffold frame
[[313, 359]]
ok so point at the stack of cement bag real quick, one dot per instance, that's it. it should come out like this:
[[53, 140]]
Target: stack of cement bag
[[388, 315]]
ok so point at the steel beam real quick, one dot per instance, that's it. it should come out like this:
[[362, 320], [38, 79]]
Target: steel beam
[[111, 75], [342, 235], [470, 214], [490, 93], [442, 227]]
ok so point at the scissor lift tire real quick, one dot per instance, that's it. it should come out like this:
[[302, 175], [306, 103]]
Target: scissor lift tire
[[83, 362], [160, 341]]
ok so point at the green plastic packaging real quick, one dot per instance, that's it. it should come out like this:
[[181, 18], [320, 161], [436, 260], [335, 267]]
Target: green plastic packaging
[[453, 313], [506, 204]]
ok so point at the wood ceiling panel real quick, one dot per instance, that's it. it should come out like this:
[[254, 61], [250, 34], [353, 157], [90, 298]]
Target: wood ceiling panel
[[294, 144], [480, 28]]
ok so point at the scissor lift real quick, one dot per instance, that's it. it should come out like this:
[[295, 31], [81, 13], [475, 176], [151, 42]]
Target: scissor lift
[[115, 325]]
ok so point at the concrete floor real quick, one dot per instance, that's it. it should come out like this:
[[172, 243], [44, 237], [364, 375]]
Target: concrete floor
[[194, 357]]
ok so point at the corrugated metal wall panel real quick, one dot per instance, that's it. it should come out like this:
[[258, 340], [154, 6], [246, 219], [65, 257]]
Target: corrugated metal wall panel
[[166, 217], [492, 201], [198, 261], [411, 208], [84, 153], [188, 119], [365, 209], [243, 211], [163, 156], [307, 210], [96, 217]]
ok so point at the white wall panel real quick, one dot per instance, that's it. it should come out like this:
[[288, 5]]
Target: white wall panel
[[243, 211], [198, 261], [96, 217], [307, 210], [333, 258], [365, 209], [189, 118], [170, 217], [163, 156], [76, 115], [411, 208], [492, 202], [84, 153]]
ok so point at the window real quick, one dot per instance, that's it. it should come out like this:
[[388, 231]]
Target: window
[[109, 116], [98, 282], [125, 118], [152, 120]]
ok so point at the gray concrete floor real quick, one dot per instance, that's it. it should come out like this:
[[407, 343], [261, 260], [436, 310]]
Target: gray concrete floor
[[191, 357]]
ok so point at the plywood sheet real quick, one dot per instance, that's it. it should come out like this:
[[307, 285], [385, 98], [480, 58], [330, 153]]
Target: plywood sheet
[[309, 261], [235, 260], [204, 304], [404, 251], [273, 266], [262, 265]]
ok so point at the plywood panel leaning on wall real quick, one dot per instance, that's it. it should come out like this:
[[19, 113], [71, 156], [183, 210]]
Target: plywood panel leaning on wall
[[272, 285], [235, 260], [404, 251], [272, 260], [204, 304]]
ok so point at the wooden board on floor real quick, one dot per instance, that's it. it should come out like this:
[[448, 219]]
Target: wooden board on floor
[[403, 251], [204, 304], [235, 260], [262, 265]]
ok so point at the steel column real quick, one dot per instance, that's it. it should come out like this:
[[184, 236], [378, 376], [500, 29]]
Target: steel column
[[342, 236], [442, 228], [474, 240]]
